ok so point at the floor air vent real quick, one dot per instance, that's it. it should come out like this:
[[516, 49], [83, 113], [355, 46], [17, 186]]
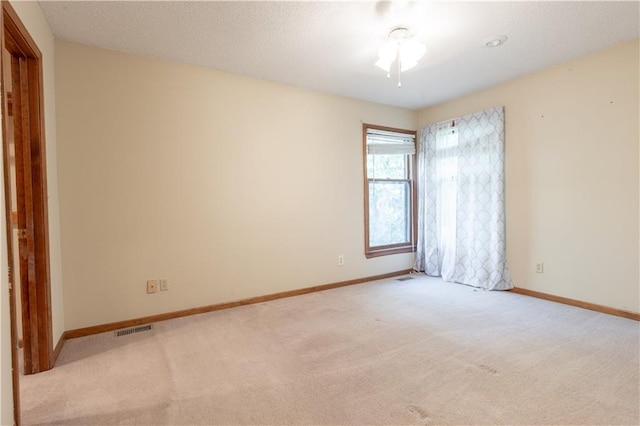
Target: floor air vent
[[404, 279], [132, 330]]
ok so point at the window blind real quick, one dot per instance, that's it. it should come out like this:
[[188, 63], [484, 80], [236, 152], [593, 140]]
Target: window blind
[[383, 142]]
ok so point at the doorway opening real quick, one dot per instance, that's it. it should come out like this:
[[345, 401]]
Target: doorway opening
[[25, 192]]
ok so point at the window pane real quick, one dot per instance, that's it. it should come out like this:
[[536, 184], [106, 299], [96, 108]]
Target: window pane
[[389, 216], [386, 166]]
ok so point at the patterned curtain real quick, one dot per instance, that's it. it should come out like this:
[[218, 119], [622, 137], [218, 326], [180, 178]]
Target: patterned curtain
[[461, 220]]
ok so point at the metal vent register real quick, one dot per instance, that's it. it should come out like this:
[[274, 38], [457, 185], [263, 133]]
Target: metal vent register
[[132, 330]]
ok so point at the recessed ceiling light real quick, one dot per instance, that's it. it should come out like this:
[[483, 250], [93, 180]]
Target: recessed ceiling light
[[496, 41]]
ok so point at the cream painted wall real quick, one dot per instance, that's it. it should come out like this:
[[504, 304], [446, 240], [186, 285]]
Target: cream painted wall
[[571, 174], [229, 187]]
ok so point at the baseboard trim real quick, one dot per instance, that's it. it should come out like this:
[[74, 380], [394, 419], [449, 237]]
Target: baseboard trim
[[58, 348], [578, 303], [96, 329]]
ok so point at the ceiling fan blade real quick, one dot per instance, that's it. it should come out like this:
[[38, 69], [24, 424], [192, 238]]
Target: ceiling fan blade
[[383, 7]]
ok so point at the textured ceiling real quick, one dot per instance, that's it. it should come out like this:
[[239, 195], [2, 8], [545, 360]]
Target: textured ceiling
[[332, 46]]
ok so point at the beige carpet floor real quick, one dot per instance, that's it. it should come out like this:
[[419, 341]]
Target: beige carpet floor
[[389, 352]]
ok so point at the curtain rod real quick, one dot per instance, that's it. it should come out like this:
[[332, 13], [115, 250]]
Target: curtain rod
[[451, 121]]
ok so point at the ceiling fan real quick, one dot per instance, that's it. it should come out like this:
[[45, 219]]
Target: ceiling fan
[[401, 48]]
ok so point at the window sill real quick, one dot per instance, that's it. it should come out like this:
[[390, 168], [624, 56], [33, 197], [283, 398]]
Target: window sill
[[385, 251]]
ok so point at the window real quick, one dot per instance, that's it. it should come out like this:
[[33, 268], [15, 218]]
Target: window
[[446, 178], [389, 190]]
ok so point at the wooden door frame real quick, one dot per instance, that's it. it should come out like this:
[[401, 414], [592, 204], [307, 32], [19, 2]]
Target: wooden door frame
[[28, 107]]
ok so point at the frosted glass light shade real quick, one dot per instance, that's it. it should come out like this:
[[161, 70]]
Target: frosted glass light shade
[[409, 52], [387, 54]]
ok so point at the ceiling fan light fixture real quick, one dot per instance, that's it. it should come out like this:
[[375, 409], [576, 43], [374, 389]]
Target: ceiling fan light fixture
[[402, 49]]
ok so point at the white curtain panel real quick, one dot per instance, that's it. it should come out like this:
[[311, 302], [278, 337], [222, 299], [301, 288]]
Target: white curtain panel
[[461, 219]]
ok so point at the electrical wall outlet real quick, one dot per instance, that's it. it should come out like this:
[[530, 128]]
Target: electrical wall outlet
[[539, 267], [164, 284], [152, 286], [341, 260]]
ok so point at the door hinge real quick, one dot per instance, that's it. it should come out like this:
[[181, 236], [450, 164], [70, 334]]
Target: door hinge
[[10, 276]]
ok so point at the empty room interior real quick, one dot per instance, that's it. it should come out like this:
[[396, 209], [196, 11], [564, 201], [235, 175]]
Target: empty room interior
[[316, 212]]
